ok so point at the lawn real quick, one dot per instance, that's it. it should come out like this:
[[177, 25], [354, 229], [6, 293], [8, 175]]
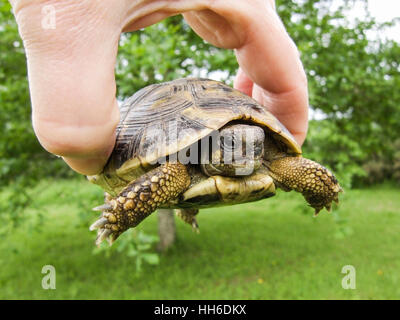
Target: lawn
[[272, 249]]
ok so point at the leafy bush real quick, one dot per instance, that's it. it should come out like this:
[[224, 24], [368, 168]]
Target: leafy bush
[[136, 245], [351, 79], [167, 51], [381, 168]]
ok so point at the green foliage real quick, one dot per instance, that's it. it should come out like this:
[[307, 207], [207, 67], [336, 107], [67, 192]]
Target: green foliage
[[351, 80], [380, 169], [136, 245], [20, 152], [167, 51], [17, 140], [335, 150], [22, 160]]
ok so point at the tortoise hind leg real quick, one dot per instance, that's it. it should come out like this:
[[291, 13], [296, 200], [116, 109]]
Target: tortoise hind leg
[[189, 216], [139, 199]]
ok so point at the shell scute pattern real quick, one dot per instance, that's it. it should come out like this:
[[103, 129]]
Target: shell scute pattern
[[154, 117]]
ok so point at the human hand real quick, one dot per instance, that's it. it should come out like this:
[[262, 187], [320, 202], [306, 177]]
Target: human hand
[[71, 66], [270, 68]]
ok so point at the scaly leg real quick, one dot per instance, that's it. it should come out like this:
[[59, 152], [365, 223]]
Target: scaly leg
[[189, 216], [139, 199], [317, 184]]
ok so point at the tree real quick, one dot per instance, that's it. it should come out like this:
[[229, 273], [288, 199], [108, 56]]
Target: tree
[[351, 80], [166, 228]]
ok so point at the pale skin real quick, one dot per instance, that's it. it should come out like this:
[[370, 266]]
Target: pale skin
[[71, 67]]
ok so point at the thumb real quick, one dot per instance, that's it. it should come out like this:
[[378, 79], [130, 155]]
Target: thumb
[[71, 49]]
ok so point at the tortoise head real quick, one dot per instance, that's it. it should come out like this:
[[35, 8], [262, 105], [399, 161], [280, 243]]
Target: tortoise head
[[239, 151]]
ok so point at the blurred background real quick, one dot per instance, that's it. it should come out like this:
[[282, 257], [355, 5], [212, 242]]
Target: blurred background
[[271, 249]]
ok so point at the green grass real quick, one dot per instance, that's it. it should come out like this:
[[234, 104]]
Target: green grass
[[264, 250]]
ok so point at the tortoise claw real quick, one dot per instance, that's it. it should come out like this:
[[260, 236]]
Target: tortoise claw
[[103, 207], [98, 224], [195, 226], [102, 235], [111, 239], [188, 216], [106, 225]]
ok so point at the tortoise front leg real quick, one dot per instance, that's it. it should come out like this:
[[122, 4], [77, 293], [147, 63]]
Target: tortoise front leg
[[317, 184], [139, 199]]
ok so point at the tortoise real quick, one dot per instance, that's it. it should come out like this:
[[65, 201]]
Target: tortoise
[[193, 143]]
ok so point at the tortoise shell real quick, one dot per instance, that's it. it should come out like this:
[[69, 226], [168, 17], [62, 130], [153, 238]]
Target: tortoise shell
[[162, 119]]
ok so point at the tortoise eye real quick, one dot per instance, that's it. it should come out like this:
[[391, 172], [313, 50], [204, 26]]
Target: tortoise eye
[[229, 142]]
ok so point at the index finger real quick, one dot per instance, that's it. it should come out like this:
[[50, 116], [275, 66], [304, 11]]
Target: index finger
[[270, 59]]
